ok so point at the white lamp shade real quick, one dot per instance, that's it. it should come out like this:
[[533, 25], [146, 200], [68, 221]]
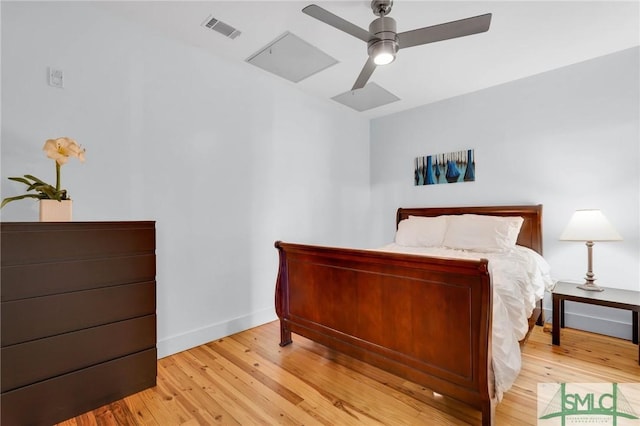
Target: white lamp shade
[[589, 225]]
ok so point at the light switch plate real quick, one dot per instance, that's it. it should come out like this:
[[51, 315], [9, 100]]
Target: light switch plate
[[56, 77]]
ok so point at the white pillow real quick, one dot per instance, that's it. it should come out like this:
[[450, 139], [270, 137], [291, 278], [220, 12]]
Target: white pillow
[[482, 232], [419, 231]]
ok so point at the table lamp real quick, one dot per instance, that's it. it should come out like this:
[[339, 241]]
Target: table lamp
[[589, 226]]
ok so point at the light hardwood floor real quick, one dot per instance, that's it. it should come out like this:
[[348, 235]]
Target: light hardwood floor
[[248, 379]]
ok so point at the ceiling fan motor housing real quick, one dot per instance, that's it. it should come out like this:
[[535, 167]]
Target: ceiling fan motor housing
[[385, 37]]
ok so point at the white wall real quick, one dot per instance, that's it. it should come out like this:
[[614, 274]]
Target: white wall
[[567, 139], [224, 157]]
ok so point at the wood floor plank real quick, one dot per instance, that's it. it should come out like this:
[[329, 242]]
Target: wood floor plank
[[239, 356], [156, 403], [161, 400], [222, 403], [295, 360], [87, 419], [407, 392], [313, 372], [251, 395], [315, 403], [189, 395], [142, 415], [359, 395], [305, 353], [248, 379]]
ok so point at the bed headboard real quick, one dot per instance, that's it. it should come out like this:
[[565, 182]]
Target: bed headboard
[[530, 233]]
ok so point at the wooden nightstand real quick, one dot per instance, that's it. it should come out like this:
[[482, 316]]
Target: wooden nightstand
[[611, 297]]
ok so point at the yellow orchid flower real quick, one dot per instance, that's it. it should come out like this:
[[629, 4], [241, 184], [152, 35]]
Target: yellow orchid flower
[[61, 149]]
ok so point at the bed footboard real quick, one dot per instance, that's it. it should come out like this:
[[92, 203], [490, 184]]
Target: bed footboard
[[425, 319]]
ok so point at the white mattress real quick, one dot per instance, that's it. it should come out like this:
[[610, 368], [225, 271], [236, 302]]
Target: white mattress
[[520, 278]]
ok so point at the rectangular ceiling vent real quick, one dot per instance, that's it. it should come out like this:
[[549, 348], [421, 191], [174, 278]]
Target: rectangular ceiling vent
[[221, 27], [292, 58]]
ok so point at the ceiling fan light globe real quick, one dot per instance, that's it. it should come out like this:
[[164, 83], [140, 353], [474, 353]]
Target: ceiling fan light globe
[[383, 52], [383, 58]]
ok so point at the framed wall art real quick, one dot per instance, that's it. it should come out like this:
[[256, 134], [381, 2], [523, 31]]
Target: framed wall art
[[451, 167]]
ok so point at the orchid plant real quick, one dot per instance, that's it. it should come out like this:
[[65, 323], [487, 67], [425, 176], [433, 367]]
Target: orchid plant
[[60, 150]]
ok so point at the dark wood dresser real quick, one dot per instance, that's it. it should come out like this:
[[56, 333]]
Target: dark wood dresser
[[78, 311]]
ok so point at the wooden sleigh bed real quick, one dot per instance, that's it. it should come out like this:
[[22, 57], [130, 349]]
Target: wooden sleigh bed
[[426, 319]]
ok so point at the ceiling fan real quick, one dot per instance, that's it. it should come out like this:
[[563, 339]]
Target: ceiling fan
[[383, 42]]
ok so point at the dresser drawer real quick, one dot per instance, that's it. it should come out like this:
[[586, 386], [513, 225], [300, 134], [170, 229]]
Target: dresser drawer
[[37, 360], [59, 398], [39, 242], [42, 279], [29, 319]]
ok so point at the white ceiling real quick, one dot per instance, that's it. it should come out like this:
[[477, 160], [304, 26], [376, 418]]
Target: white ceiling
[[525, 38]]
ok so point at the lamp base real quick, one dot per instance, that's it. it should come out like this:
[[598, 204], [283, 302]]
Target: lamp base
[[590, 287]]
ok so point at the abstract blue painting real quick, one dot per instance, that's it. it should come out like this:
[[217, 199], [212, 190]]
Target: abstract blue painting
[[452, 167]]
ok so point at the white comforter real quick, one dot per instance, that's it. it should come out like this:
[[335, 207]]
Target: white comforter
[[519, 277]]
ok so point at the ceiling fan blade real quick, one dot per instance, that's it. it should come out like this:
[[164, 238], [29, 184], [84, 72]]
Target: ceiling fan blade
[[366, 72], [446, 31], [337, 22]]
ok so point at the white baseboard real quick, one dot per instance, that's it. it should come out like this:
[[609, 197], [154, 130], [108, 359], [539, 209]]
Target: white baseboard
[[182, 342], [604, 326], [200, 336]]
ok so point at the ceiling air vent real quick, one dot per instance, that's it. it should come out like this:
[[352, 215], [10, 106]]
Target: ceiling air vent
[[292, 58], [370, 96], [221, 27]]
